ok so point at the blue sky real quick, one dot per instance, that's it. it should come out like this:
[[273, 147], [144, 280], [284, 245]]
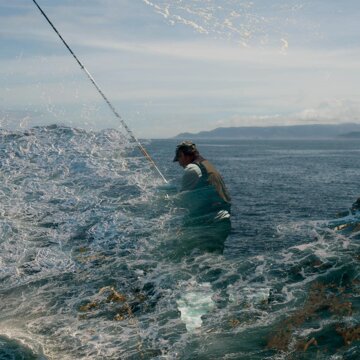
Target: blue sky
[[171, 66]]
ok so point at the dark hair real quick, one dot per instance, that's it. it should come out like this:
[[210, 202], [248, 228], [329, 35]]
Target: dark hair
[[187, 148]]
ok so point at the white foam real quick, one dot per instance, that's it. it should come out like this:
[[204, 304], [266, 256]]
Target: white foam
[[195, 302], [255, 295]]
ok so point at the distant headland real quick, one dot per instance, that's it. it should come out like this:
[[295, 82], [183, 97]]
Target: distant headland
[[314, 131], [351, 135]]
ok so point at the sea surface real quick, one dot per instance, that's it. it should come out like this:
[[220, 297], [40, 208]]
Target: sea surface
[[88, 260]]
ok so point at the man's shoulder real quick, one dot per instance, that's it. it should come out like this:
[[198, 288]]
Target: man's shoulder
[[193, 168], [191, 177]]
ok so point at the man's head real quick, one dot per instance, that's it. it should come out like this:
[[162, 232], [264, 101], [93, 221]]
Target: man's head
[[186, 152]]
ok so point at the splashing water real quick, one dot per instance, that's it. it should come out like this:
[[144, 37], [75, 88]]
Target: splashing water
[[245, 22]]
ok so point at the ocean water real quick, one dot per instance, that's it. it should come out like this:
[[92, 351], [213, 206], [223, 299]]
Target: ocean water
[[89, 267]]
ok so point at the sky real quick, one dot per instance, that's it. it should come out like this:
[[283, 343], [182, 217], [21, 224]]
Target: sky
[[172, 66]]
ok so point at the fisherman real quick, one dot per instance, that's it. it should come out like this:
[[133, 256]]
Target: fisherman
[[204, 195]]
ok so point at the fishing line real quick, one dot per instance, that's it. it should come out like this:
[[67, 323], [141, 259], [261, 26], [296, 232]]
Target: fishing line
[[123, 123]]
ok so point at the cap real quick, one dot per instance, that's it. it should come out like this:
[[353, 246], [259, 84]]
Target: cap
[[187, 147]]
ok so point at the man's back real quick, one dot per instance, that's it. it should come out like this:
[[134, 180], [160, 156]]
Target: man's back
[[206, 194]]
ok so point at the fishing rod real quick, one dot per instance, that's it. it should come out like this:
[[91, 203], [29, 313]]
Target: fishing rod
[[123, 123]]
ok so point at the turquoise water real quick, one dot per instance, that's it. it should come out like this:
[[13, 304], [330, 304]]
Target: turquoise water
[[89, 267]]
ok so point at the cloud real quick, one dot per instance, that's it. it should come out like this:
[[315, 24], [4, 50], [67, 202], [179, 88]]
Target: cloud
[[328, 112], [334, 111], [285, 46]]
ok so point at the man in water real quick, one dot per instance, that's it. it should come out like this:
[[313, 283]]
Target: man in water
[[204, 195]]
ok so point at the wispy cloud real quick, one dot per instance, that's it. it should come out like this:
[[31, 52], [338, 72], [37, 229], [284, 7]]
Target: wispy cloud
[[330, 112]]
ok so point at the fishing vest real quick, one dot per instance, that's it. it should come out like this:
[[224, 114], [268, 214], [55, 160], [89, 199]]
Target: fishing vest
[[210, 176]]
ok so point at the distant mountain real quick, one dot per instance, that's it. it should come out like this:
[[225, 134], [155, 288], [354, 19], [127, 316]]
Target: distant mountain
[[277, 132]]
